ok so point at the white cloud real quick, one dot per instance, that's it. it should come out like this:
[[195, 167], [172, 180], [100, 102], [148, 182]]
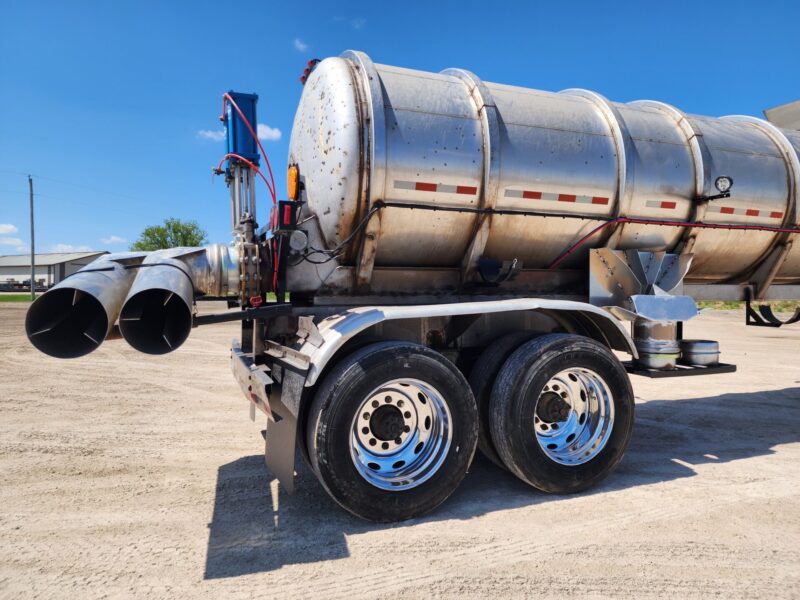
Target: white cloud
[[23, 249], [300, 45], [267, 133], [10, 241], [6, 228], [215, 135], [355, 23], [114, 239], [68, 248]]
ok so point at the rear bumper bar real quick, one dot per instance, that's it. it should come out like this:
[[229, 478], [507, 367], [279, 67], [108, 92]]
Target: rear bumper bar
[[254, 380]]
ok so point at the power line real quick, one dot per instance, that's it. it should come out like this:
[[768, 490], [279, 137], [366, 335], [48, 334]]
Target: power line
[[71, 200], [77, 185]]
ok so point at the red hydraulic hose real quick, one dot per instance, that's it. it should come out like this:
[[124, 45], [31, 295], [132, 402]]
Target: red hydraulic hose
[[605, 224], [252, 166], [272, 214]]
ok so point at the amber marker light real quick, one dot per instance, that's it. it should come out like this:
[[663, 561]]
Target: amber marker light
[[292, 186]]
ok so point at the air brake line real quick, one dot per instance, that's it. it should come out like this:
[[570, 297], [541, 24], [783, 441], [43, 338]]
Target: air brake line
[[570, 249], [691, 224]]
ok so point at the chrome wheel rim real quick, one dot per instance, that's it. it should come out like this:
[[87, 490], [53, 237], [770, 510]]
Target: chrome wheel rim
[[401, 434], [574, 416]]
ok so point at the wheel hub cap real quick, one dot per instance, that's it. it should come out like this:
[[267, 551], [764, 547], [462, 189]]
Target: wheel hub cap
[[574, 416], [552, 408], [386, 423], [401, 434]]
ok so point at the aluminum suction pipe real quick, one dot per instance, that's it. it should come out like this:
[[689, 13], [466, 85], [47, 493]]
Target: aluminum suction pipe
[[76, 315], [157, 314]]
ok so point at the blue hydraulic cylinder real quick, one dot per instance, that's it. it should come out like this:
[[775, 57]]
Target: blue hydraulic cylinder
[[238, 139]]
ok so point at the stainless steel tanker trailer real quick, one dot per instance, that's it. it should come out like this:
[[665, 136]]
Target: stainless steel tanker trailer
[[458, 265]]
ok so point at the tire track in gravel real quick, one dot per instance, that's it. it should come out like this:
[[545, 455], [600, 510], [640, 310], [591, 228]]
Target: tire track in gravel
[[492, 555]]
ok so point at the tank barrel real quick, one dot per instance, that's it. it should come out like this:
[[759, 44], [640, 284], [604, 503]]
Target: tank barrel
[[74, 317]]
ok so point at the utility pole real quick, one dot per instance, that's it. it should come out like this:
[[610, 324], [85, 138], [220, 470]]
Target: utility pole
[[33, 266]]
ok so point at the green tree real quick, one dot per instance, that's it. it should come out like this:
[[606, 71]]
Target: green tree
[[171, 234]]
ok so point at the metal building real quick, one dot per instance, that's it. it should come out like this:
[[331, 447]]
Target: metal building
[[50, 268]]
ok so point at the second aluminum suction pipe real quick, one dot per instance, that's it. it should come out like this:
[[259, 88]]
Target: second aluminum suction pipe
[[157, 314]]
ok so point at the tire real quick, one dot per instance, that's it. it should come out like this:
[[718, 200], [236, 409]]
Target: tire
[[481, 380], [536, 405], [402, 408]]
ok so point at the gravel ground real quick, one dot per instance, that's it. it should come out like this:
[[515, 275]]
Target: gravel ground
[[125, 475]]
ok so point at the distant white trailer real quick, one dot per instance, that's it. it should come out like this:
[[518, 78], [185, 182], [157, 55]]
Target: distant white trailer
[[51, 268]]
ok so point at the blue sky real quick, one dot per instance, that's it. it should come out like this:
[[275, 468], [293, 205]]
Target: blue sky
[[104, 102]]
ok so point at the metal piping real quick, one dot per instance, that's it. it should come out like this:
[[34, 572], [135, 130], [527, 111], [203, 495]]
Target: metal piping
[[158, 312], [157, 315], [74, 317], [152, 294]]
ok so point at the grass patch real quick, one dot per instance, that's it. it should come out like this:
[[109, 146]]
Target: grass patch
[[777, 305], [721, 305], [16, 297]]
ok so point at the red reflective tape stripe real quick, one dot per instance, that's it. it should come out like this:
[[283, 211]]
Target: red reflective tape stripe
[[532, 195], [599, 200], [425, 187], [668, 205], [751, 212], [287, 215], [465, 189], [566, 198], [776, 215], [726, 210]]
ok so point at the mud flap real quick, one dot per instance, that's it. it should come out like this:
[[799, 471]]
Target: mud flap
[[276, 391], [279, 443], [279, 447]]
